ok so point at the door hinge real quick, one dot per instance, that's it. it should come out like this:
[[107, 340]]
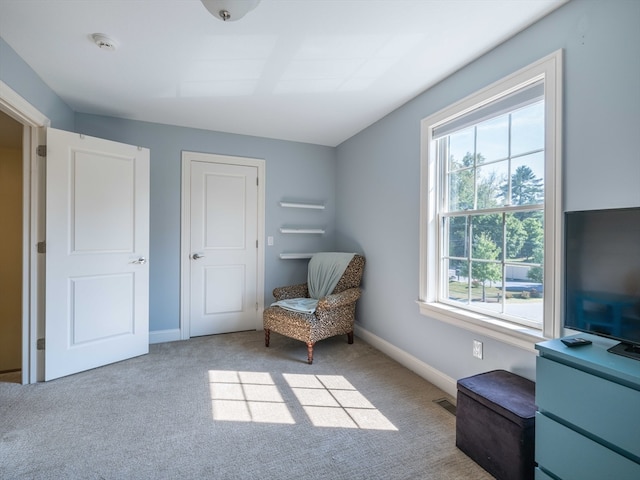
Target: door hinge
[[40, 344], [256, 243], [41, 150], [257, 182], [257, 306], [42, 247]]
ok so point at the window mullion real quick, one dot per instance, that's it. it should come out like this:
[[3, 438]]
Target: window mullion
[[475, 168], [443, 198], [504, 263], [469, 240], [509, 199], [488, 211]]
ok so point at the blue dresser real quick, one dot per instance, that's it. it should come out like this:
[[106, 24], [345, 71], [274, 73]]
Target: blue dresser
[[588, 419]]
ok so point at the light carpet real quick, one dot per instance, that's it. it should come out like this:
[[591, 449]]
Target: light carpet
[[226, 407]]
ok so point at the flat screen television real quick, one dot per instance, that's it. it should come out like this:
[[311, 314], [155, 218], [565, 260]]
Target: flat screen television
[[602, 275]]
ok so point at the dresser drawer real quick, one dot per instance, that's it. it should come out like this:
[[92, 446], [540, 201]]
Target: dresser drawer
[[579, 458], [603, 408]]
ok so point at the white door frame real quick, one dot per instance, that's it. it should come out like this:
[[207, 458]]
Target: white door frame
[[185, 231], [34, 123]]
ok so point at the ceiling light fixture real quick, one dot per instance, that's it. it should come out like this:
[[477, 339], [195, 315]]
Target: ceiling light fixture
[[229, 10], [104, 42]]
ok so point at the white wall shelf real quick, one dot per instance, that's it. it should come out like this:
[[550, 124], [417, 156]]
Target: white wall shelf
[[318, 231], [316, 206], [300, 230], [295, 256]]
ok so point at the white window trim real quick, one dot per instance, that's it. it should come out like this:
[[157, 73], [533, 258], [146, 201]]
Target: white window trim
[[548, 68]]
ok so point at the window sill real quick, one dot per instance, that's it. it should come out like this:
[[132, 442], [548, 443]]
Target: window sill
[[509, 333]]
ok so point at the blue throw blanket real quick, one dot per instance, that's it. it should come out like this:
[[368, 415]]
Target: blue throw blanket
[[325, 271], [303, 305]]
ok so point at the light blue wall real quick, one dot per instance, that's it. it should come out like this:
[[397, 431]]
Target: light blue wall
[[294, 171], [378, 180], [24, 81]]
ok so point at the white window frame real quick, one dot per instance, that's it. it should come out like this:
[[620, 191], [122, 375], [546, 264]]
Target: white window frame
[[548, 69]]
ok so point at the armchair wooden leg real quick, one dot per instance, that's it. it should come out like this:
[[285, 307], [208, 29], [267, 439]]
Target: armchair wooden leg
[[267, 334], [310, 352], [350, 337]]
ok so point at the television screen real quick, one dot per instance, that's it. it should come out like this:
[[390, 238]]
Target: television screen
[[602, 273]]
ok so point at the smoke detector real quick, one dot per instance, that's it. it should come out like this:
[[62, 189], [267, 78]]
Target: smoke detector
[[104, 42]]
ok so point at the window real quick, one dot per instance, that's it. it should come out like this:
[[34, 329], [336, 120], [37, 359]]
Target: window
[[490, 208]]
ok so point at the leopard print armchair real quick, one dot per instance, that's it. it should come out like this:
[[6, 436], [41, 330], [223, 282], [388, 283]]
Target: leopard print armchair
[[334, 315]]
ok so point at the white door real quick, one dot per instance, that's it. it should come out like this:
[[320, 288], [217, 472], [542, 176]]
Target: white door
[[224, 251], [97, 246]]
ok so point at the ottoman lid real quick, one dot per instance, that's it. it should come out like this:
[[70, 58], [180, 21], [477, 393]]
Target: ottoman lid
[[503, 392]]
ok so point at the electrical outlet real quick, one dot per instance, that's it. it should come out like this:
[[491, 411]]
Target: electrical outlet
[[477, 349], [270, 241]]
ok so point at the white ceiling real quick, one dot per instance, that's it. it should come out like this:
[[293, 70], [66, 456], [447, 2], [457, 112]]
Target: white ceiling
[[314, 71]]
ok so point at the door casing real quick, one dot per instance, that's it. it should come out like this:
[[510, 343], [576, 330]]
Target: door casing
[[34, 123], [185, 231]]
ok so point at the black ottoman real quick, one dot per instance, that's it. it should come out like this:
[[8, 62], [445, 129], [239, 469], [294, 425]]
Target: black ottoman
[[495, 423]]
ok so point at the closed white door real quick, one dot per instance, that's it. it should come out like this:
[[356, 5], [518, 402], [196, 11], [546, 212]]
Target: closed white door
[[97, 247], [224, 250]]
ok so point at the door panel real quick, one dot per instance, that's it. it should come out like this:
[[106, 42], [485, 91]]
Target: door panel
[[102, 181], [97, 274], [101, 307], [223, 248], [224, 203], [222, 292]]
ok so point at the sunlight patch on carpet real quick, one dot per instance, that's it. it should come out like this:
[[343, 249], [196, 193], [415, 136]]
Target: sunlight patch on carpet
[[247, 397], [331, 401], [328, 400]]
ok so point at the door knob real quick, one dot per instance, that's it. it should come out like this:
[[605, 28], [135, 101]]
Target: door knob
[[140, 261], [197, 256]]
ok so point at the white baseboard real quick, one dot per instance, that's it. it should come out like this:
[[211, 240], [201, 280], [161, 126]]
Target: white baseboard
[[426, 371], [161, 336]]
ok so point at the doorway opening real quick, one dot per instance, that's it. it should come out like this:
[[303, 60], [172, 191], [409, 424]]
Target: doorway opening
[[11, 219]]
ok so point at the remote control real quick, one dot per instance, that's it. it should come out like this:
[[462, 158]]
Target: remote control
[[575, 342]]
